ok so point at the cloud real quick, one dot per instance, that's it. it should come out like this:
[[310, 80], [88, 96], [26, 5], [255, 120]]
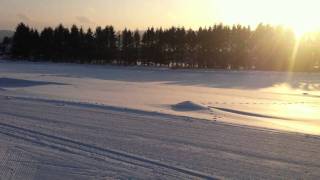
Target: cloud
[[23, 17], [83, 19]]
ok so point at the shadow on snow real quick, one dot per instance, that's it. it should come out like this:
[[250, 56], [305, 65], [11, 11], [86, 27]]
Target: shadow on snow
[[19, 83]]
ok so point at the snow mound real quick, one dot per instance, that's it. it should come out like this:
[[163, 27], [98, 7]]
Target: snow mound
[[188, 106]]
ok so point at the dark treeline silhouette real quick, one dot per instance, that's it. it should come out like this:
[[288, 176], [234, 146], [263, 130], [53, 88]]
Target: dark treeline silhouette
[[219, 46]]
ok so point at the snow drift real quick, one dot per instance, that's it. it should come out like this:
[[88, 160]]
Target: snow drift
[[188, 106]]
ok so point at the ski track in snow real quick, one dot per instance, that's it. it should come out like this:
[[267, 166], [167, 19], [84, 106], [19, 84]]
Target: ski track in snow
[[70, 146]]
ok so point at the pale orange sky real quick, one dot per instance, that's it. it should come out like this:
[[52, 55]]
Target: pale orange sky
[[302, 15]]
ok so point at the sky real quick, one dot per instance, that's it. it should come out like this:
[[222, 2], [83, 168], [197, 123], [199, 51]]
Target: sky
[[301, 15]]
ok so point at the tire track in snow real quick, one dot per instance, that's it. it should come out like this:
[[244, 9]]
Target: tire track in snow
[[71, 146]]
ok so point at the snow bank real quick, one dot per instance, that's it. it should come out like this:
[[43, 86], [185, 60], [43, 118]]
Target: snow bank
[[188, 106]]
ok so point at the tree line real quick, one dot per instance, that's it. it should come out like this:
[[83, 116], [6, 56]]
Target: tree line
[[220, 46]]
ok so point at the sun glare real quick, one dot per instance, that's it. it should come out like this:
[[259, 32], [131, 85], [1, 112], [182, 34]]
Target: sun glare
[[302, 28], [301, 16]]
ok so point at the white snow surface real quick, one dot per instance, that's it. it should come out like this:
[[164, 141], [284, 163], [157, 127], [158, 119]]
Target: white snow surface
[[67, 121], [274, 100]]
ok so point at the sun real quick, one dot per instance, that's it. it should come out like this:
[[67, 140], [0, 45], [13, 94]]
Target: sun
[[299, 31], [301, 16], [302, 28]]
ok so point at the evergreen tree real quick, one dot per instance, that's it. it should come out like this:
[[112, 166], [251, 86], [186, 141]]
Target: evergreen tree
[[220, 46], [74, 43], [128, 48], [61, 35], [89, 47], [21, 39], [47, 43], [136, 45]]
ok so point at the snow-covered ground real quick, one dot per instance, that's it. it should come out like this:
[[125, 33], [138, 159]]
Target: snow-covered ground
[[274, 100], [100, 122]]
